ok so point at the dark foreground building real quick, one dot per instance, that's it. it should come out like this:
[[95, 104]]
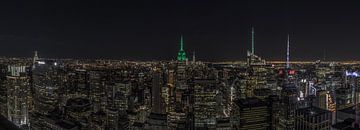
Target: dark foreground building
[[252, 114], [312, 118], [7, 125]]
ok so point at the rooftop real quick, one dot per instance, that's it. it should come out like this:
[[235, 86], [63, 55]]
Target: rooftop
[[349, 110], [250, 102], [312, 111]]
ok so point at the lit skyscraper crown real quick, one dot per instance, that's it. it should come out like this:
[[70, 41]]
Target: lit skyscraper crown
[[181, 54]]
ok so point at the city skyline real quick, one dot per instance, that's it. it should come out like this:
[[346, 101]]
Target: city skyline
[[146, 30], [181, 55], [179, 65]]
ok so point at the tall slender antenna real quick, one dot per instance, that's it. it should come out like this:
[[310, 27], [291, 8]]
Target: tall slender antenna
[[193, 57], [252, 40], [181, 43], [324, 55], [288, 52]]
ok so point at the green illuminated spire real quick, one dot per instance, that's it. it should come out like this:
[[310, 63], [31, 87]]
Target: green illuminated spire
[[181, 54], [181, 43]]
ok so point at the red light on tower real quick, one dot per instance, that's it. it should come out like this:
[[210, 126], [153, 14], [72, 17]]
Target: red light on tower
[[291, 72]]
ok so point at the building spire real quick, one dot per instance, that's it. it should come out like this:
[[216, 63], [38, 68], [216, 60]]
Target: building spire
[[181, 43], [324, 55], [181, 54], [252, 40], [35, 58], [288, 52], [193, 58]]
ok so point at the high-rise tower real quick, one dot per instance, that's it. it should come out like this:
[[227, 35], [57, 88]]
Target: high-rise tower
[[289, 95], [251, 57], [181, 54], [18, 92], [47, 80], [256, 70], [36, 58], [157, 118], [157, 105], [177, 113]]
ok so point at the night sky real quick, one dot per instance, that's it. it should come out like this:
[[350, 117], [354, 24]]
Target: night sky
[[150, 30]]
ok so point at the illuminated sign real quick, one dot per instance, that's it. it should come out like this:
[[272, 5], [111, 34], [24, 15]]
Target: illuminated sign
[[291, 72], [312, 90], [355, 74], [41, 62]]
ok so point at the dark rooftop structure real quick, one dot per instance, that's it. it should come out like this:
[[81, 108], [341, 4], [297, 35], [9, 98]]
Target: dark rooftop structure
[[347, 124], [252, 113], [264, 92], [349, 110], [250, 102], [312, 118], [312, 111], [66, 124]]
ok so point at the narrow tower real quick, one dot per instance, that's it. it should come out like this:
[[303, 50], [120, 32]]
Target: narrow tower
[[252, 41], [181, 54], [288, 52], [193, 58], [324, 55], [289, 95], [36, 58]]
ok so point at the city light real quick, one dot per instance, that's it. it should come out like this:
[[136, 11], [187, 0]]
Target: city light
[[354, 74]]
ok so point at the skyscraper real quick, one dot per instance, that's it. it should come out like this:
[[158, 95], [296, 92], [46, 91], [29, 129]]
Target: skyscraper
[[158, 117], [157, 101], [256, 70], [47, 80], [117, 103], [289, 96], [3, 90], [205, 103], [252, 113], [97, 83], [78, 84], [18, 91], [177, 107]]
